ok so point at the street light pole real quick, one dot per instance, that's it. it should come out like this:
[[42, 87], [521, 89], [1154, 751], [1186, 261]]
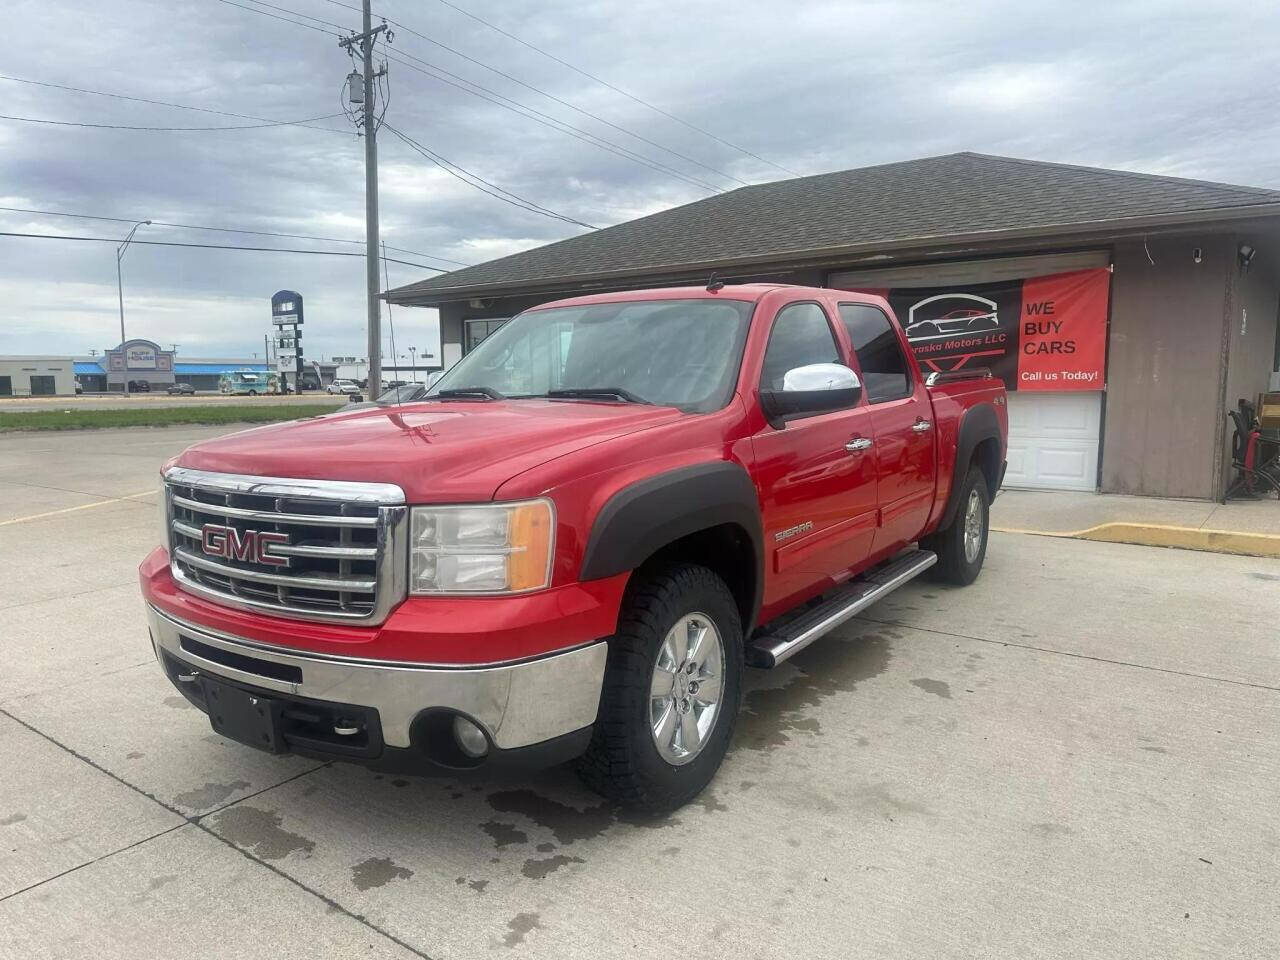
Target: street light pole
[[413, 362], [119, 281]]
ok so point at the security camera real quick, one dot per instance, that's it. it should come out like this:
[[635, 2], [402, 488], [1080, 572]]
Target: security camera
[[1197, 254], [1246, 254]]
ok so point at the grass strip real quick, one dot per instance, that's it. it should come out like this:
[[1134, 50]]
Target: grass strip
[[71, 419]]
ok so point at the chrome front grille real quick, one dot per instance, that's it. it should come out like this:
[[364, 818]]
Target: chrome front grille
[[336, 550]]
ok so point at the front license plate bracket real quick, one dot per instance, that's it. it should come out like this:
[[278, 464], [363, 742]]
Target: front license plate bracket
[[243, 716]]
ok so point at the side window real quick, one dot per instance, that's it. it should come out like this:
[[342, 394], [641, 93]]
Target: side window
[[885, 373], [801, 335]]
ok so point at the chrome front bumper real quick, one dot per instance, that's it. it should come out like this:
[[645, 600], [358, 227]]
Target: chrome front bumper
[[517, 704]]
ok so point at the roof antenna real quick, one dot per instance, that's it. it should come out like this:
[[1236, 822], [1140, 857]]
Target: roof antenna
[[713, 283]]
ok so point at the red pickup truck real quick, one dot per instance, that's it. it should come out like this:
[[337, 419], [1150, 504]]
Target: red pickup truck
[[575, 544]]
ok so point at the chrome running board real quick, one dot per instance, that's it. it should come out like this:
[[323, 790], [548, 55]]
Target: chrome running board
[[772, 647]]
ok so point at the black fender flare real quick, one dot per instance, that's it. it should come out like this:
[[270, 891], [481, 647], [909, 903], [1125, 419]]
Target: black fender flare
[[641, 519], [977, 424]]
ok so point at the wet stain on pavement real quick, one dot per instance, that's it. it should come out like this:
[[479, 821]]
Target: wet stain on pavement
[[520, 926], [178, 703], [211, 794], [878, 798], [709, 802], [1264, 576], [1154, 749], [476, 885], [134, 755], [260, 832], [567, 824], [538, 869], [937, 687], [155, 883], [1050, 829], [504, 834], [11, 819], [545, 847], [828, 667], [377, 872]]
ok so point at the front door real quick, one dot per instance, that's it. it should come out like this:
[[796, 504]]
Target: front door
[[817, 475], [901, 415]]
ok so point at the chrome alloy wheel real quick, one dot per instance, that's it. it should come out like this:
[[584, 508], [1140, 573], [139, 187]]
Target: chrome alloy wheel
[[688, 682], [973, 526]]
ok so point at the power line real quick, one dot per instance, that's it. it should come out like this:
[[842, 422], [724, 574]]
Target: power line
[[496, 192], [566, 103], [163, 103], [257, 233], [210, 246], [606, 83], [276, 16], [533, 114], [120, 126], [558, 125]]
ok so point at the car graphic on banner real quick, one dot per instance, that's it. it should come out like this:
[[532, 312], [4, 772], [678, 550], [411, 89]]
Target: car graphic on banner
[[964, 313], [1035, 333]]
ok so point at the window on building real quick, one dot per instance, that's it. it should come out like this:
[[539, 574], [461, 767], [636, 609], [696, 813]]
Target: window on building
[[6, 386], [42, 386], [801, 335], [479, 330], [884, 367]]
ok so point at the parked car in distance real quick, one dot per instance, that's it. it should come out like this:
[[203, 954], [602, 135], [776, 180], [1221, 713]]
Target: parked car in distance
[[342, 386], [139, 386], [573, 557], [182, 389]]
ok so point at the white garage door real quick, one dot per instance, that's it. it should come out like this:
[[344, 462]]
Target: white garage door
[[1053, 440]]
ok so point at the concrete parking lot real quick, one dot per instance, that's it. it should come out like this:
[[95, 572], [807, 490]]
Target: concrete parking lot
[[1078, 756]]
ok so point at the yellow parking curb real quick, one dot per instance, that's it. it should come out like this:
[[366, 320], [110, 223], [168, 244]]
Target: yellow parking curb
[[1162, 535]]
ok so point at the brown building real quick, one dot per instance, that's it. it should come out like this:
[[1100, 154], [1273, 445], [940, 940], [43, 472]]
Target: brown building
[[1187, 322]]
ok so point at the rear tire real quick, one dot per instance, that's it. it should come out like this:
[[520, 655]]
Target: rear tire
[[962, 547], [655, 750]]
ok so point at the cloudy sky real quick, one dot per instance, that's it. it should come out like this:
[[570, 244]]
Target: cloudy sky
[[1164, 87]]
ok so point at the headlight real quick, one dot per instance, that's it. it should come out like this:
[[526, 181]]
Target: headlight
[[487, 548]]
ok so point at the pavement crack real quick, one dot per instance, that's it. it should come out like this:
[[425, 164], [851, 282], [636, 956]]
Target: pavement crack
[[196, 822], [1075, 656], [90, 863]]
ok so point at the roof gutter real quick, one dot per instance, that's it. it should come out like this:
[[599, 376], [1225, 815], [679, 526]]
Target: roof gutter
[[823, 256]]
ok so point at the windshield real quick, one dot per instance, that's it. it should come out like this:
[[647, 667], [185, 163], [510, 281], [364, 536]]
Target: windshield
[[679, 353]]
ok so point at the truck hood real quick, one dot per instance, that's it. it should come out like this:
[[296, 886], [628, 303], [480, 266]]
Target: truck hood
[[436, 452]]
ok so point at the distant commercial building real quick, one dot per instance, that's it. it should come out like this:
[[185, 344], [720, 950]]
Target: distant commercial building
[[39, 376], [138, 361]]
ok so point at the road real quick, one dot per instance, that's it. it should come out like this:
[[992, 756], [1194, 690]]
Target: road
[[1075, 757], [133, 401]]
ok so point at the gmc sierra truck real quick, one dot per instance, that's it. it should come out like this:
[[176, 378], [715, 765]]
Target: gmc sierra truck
[[572, 547]]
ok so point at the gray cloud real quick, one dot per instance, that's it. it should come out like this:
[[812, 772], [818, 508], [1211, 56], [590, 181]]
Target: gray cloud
[[1164, 87]]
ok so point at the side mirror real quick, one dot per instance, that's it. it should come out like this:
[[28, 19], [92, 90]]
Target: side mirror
[[814, 388]]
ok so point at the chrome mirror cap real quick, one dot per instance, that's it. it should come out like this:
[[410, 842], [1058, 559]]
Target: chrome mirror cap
[[820, 376]]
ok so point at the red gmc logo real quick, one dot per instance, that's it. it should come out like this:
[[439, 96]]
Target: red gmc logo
[[248, 546]]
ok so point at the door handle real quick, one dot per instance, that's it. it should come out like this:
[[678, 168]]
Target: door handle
[[858, 444], [920, 426]]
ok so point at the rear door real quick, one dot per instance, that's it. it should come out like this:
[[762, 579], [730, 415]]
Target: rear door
[[817, 474], [901, 416]]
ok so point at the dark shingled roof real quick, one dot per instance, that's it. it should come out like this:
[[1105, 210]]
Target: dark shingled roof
[[928, 200]]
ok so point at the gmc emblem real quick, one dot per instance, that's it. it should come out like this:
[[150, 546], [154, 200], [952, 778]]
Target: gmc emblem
[[247, 546]]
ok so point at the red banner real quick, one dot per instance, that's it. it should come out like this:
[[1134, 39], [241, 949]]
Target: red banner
[[1042, 333]]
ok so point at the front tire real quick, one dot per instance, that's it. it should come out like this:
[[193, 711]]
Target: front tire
[[962, 547], [672, 689]]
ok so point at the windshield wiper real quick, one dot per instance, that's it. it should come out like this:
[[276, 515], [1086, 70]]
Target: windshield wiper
[[463, 393], [596, 393]]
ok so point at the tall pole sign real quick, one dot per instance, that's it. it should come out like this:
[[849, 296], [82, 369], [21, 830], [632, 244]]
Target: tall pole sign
[[286, 318]]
